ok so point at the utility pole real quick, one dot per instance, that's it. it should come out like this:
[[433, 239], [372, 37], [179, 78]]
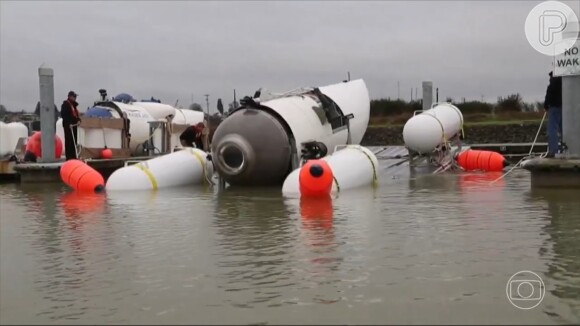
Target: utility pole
[[206, 140], [207, 103], [398, 90]]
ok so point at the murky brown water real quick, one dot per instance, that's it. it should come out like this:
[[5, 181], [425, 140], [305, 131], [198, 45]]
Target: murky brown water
[[426, 249]]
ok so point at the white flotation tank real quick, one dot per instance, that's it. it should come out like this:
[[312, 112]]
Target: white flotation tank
[[427, 130], [183, 167], [188, 117], [4, 141], [156, 110], [9, 135], [353, 166]]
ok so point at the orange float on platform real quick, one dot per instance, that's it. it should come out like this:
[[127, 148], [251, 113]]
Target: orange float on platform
[[471, 160], [34, 145], [81, 177], [315, 178], [106, 153]]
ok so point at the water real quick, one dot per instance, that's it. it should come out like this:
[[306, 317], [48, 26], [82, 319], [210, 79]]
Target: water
[[419, 249]]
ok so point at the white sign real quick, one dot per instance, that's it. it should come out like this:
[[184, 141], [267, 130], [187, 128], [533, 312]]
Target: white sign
[[568, 63]]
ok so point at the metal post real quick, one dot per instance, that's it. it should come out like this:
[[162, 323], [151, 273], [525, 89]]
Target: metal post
[[150, 143], [427, 95], [164, 147], [235, 106], [47, 123]]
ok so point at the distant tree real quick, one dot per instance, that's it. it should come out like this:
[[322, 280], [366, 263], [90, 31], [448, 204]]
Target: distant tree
[[513, 103], [220, 106], [3, 110], [195, 107]]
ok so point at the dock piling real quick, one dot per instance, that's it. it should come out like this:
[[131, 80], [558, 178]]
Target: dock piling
[[47, 119]]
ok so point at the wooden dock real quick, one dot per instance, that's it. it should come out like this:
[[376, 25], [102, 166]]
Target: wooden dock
[[7, 172]]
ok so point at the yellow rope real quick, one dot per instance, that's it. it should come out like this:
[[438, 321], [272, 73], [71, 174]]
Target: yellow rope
[[201, 161], [375, 178], [142, 167]]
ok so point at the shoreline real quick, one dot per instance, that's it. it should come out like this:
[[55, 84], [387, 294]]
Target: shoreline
[[516, 132]]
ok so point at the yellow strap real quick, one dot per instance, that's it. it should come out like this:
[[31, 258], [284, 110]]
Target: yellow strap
[[375, 179], [201, 161], [143, 168]]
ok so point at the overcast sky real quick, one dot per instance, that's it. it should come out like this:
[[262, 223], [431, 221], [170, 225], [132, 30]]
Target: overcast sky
[[171, 50]]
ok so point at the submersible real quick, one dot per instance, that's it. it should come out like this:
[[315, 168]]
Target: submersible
[[262, 141]]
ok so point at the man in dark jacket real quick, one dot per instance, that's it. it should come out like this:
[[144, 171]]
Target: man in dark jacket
[[191, 137], [70, 120], [553, 104]]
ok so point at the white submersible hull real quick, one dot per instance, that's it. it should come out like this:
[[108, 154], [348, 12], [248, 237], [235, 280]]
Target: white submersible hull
[[258, 143]]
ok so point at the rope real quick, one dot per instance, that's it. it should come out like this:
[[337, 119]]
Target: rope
[[517, 165], [336, 183], [77, 146]]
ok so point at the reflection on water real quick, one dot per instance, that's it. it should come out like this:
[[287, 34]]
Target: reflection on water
[[420, 248], [254, 239], [562, 247]]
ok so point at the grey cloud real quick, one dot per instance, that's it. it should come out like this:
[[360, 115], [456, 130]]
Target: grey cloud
[[173, 49]]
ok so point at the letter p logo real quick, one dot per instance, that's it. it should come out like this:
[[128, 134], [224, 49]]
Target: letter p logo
[[552, 28], [551, 23]]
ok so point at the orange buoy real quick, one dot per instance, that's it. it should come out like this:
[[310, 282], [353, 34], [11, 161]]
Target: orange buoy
[[81, 177], [34, 145], [106, 153], [481, 160], [315, 178]]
